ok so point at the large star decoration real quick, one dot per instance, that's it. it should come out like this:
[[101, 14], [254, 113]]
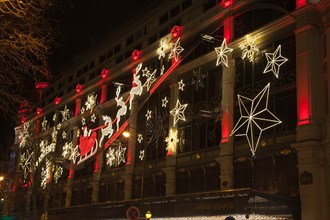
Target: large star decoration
[[252, 121], [176, 49], [222, 51], [150, 79], [178, 112], [57, 173], [74, 154], [249, 48], [25, 164], [274, 61]]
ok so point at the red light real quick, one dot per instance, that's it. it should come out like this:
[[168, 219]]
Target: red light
[[176, 31], [225, 126], [39, 110], [136, 54], [228, 29], [103, 94], [23, 120], [104, 73], [79, 87], [41, 85], [57, 100], [227, 3], [300, 3]]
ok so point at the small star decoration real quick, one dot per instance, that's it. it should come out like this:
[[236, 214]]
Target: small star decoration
[[181, 85], [275, 60], [164, 102], [148, 115], [140, 138]]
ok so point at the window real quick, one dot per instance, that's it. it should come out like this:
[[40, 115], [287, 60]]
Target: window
[[175, 11], [117, 49], [186, 4], [152, 39], [91, 65], [163, 18], [209, 4], [129, 41]]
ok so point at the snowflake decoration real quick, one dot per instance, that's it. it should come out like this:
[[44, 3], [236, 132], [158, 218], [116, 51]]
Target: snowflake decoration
[[93, 118], [274, 61], [64, 135], [83, 121], [222, 51], [178, 112], [44, 124], [90, 102], [58, 173], [82, 110], [162, 70], [54, 117], [252, 120], [181, 85], [148, 115], [140, 138], [164, 102], [67, 149], [163, 46], [65, 113], [197, 80], [171, 140], [150, 79], [111, 157], [54, 135], [141, 156], [25, 164], [249, 48], [176, 49]]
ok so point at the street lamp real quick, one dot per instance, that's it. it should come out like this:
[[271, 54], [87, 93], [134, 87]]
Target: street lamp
[[1, 178], [148, 215]]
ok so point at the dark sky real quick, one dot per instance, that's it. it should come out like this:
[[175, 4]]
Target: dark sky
[[83, 20]]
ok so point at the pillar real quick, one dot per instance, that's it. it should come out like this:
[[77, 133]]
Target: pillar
[[311, 115]]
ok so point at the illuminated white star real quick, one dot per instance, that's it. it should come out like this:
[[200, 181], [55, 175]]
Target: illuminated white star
[[44, 124], [54, 117], [164, 101], [93, 118], [120, 154], [82, 110], [141, 156], [145, 72], [222, 52], [176, 49], [140, 138], [163, 46], [181, 85], [65, 114], [275, 60], [83, 121], [249, 48], [59, 126], [252, 121], [172, 140], [25, 163], [74, 154], [64, 135], [150, 79], [148, 115], [178, 112]]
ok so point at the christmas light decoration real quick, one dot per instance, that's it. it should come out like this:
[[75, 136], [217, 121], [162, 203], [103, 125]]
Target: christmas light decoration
[[107, 130], [275, 61], [150, 79], [181, 85], [223, 217], [197, 79], [39, 110], [45, 175], [148, 115], [222, 53], [105, 73], [249, 48], [79, 87], [58, 171], [65, 113], [136, 54], [141, 156], [110, 156], [172, 140], [116, 156], [121, 111], [67, 149], [26, 162], [54, 117], [120, 154], [162, 70], [45, 149], [93, 118], [140, 138], [44, 124], [54, 135], [138, 88], [176, 49], [83, 121], [176, 31], [178, 112], [82, 110], [163, 46], [59, 125], [90, 102], [164, 102], [74, 154], [64, 135], [57, 100], [252, 119]]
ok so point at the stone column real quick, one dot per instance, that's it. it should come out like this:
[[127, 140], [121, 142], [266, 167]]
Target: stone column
[[311, 115], [227, 142], [129, 168]]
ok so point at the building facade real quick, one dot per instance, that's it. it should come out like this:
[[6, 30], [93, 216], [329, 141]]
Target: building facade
[[226, 105]]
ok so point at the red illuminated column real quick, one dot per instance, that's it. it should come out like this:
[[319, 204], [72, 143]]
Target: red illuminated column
[[300, 3], [228, 29], [103, 94], [38, 125], [226, 145], [77, 108]]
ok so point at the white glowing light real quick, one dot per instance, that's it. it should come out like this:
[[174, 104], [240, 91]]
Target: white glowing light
[[140, 138], [90, 102], [82, 110], [252, 118], [83, 121], [110, 156], [121, 111], [172, 140], [67, 149], [163, 46], [59, 126], [162, 70], [64, 135], [116, 156], [150, 79], [181, 85], [178, 112], [141, 156], [54, 135], [26, 162], [58, 173], [45, 174], [138, 88], [120, 154], [249, 48], [274, 61], [106, 131], [44, 124], [93, 118], [222, 53], [148, 115], [65, 114], [54, 117], [198, 77], [176, 49], [164, 102], [74, 154]]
